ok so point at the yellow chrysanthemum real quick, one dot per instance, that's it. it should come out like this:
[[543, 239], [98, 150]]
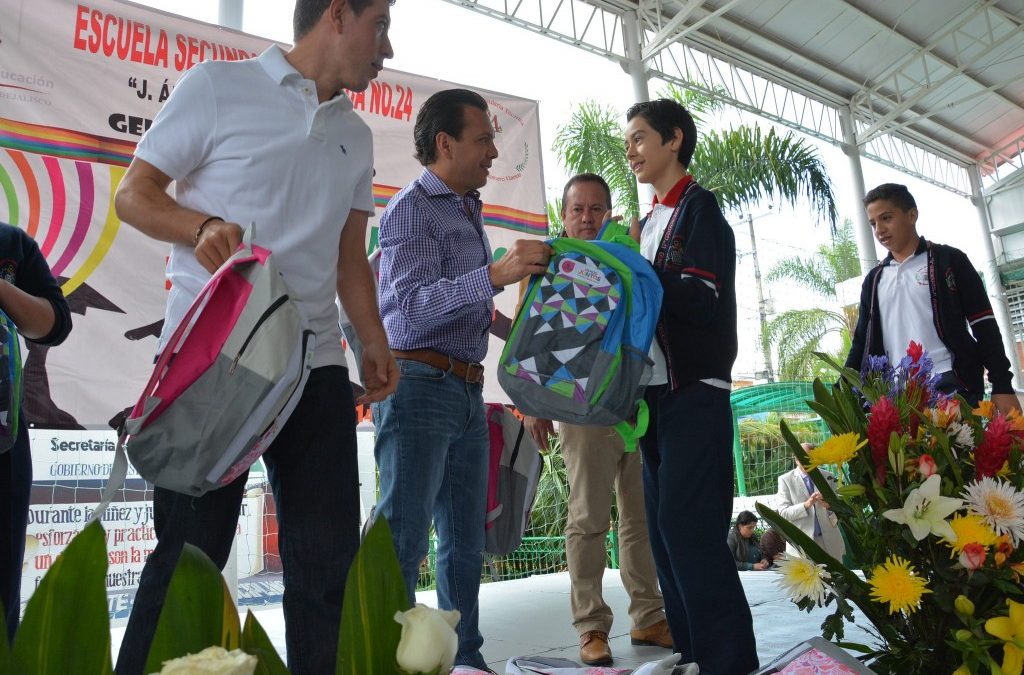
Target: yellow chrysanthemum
[[896, 583], [969, 529], [836, 450], [985, 409]]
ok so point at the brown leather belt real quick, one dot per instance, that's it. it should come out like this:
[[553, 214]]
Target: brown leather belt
[[472, 373]]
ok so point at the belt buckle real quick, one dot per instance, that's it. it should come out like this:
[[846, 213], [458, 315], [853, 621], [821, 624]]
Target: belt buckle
[[474, 373]]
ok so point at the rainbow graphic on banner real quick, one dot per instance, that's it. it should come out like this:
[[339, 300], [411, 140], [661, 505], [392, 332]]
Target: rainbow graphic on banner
[[494, 215], [72, 191], [64, 143]]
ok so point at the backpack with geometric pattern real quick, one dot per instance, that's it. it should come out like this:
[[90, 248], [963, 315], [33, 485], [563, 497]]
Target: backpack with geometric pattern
[[578, 348]]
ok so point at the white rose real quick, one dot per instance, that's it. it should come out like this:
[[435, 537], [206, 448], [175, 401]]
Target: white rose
[[429, 642], [212, 661]]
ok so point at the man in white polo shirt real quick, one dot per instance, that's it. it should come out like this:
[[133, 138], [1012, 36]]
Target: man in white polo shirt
[[931, 294], [274, 141]]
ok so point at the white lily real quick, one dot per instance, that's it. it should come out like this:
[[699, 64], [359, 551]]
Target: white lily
[[925, 511]]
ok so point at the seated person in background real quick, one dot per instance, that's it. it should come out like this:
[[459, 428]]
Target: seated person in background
[[773, 546], [745, 544]]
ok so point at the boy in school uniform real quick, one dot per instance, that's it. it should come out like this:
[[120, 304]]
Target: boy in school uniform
[[687, 451], [929, 293]]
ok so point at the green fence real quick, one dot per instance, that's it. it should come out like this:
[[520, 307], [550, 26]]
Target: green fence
[[760, 455]]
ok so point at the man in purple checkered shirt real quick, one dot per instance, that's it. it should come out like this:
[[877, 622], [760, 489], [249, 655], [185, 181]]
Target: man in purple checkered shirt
[[437, 282]]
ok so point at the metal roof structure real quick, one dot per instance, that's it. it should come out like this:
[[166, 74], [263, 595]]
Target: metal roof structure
[[930, 87]]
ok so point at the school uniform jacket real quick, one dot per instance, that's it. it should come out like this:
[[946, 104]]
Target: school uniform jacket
[[962, 315]]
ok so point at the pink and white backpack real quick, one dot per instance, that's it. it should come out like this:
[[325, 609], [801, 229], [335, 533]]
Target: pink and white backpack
[[225, 383]]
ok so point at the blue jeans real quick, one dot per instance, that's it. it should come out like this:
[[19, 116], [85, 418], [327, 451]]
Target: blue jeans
[[432, 452], [314, 475], [688, 490], [15, 488]]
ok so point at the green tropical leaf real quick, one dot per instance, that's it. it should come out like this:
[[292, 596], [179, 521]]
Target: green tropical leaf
[[256, 642], [197, 612], [555, 225], [745, 166], [592, 141], [799, 334], [374, 591], [67, 613], [699, 102]]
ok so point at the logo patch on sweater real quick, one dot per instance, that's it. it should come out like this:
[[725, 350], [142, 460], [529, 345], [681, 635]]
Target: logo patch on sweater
[[951, 280], [674, 256]]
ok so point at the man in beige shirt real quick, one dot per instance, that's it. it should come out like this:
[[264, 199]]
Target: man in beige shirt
[[596, 463]]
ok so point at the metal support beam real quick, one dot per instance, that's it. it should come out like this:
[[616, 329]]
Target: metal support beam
[[993, 282], [669, 31], [865, 238], [928, 86], [634, 65], [658, 43], [230, 13], [929, 51], [703, 62]]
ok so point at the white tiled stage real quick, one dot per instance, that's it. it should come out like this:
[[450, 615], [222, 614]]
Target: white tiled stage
[[531, 617]]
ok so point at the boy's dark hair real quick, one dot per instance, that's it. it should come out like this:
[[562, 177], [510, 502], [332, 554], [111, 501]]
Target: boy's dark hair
[[442, 112], [664, 116], [586, 178], [898, 194], [745, 518], [308, 12]]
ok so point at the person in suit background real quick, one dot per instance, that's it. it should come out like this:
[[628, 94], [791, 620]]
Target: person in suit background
[[800, 502]]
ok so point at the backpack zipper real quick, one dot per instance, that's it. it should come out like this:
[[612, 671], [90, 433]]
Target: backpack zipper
[[259, 322], [303, 364]]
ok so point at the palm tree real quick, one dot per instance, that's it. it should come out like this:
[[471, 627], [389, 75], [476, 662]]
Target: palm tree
[[798, 333], [741, 166]]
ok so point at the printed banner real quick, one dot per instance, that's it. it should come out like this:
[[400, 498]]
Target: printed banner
[[79, 85], [69, 469]]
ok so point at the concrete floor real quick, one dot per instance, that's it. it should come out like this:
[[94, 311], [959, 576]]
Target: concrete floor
[[530, 617]]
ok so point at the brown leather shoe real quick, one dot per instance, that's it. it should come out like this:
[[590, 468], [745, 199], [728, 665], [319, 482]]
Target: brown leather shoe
[[656, 635], [594, 649]]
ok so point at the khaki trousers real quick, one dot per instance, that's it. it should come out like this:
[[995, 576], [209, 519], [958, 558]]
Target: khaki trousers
[[595, 463]]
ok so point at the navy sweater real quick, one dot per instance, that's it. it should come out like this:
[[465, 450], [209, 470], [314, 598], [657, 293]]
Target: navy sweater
[[696, 263], [22, 264], [959, 303]]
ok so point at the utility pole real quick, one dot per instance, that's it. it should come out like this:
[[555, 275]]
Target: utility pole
[[761, 309]]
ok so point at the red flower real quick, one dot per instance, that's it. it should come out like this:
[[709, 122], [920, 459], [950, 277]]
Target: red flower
[[915, 351], [994, 449], [926, 465], [883, 419], [973, 556]]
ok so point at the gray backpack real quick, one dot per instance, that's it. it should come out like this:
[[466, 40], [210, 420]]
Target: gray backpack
[[513, 473]]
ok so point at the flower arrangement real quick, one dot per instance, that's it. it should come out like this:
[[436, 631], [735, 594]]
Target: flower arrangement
[[931, 500]]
